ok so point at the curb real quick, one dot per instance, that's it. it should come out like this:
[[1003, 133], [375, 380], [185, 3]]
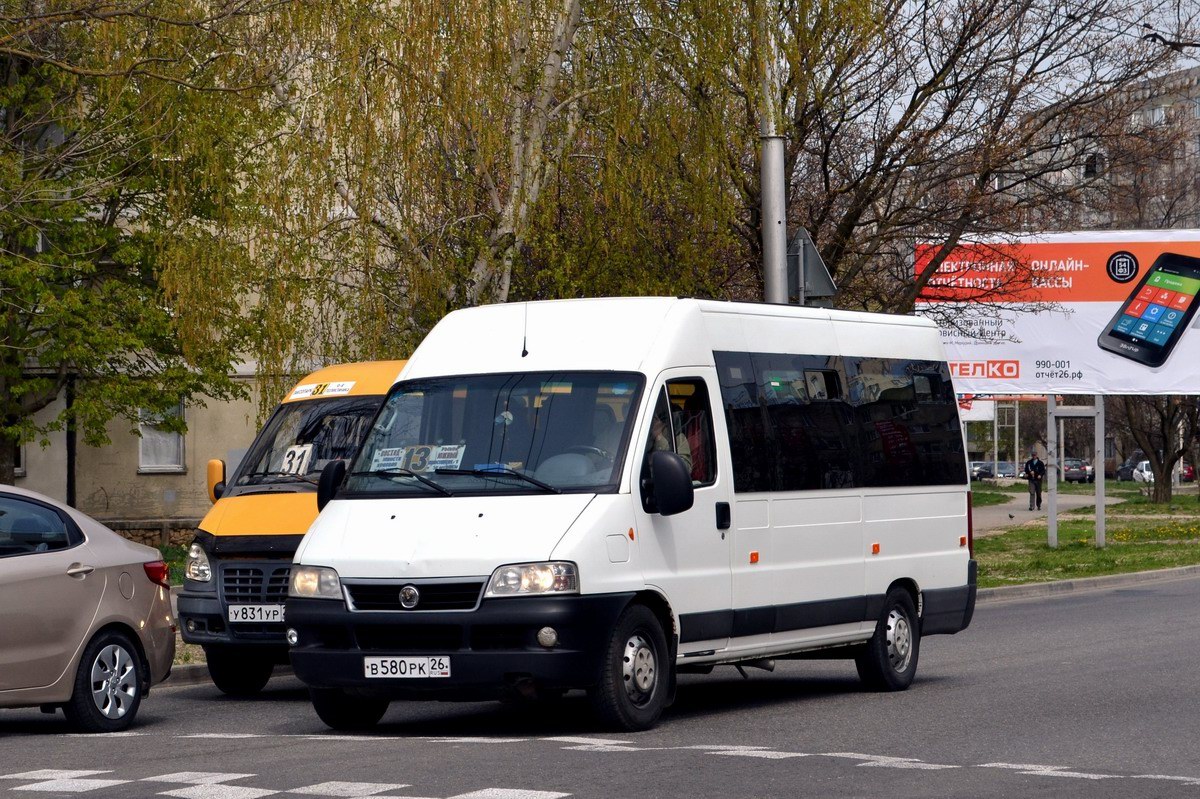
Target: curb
[[1038, 590], [197, 674]]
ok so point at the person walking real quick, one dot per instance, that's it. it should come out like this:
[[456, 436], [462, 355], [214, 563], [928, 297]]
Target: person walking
[[1035, 472]]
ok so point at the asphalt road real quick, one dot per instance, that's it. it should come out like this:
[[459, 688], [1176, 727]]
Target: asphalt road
[[1091, 694]]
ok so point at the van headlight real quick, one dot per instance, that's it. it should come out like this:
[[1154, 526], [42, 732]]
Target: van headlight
[[314, 582], [519, 579], [197, 567]]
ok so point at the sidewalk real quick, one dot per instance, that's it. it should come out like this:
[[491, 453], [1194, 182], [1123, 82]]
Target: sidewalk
[[993, 518]]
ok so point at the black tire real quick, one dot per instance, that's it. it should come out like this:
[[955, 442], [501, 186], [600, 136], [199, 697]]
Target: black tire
[[346, 713], [889, 661], [108, 685], [636, 677], [238, 671]]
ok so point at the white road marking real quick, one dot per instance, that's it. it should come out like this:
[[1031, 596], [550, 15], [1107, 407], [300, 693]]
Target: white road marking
[[1050, 771], [885, 761], [348, 789], [219, 792], [568, 739], [69, 785], [50, 774], [227, 735], [197, 777], [1183, 780], [466, 739], [765, 754], [507, 793]]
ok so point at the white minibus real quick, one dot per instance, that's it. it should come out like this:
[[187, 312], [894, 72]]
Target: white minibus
[[601, 494]]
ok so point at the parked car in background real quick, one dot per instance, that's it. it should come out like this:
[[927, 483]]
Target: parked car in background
[[1125, 470], [1077, 470], [1188, 473], [1006, 469], [1142, 473], [85, 614], [981, 470]]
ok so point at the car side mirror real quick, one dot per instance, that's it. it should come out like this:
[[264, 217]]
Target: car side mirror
[[216, 479], [327, 485], [671, 482]]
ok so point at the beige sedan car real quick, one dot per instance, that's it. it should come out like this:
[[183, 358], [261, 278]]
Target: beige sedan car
[[85, 615]]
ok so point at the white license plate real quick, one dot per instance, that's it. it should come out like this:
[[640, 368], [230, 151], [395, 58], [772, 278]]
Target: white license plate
[[251, 613], [415, 667]]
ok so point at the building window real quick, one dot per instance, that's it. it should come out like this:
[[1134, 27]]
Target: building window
[[18, 460], [1093, 165], [160, 450]]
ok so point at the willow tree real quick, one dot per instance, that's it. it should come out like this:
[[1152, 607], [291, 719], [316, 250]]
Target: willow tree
[[415, 142], [120, 162]]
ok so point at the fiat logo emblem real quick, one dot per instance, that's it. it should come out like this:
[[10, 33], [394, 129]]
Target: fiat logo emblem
[[409, 596]]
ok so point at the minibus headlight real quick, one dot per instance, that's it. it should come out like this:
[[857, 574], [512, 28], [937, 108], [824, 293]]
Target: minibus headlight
[[315, 582], [556, 577], [197, 567]]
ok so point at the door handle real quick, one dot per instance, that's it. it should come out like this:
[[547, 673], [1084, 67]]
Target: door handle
[[724, 517], [79, 570]]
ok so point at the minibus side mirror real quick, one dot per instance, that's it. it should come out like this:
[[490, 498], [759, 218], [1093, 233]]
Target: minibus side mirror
[[216, 479], [327, 485], [672, 483]]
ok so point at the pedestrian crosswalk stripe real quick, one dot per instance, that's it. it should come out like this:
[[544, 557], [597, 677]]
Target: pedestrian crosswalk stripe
[[197, 777], [348, 789], [219, 792]]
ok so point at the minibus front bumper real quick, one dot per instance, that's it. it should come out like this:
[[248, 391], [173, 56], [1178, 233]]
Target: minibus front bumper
[[492, 650]]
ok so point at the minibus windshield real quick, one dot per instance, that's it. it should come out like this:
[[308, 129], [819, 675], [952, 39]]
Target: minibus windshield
[[301, 437], [543, 432]]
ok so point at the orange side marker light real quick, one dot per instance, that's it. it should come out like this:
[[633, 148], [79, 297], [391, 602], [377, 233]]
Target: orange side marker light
[[754, 557], [962, 540], [630, 533], [874, 549]]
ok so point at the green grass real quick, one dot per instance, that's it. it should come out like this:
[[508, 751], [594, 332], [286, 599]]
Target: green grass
[[1021, 555], [174, 556], [982, 497]]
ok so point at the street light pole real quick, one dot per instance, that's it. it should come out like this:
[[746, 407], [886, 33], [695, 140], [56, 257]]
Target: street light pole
[[772, 180]]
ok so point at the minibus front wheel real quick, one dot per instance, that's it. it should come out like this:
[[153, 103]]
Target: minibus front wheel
[[636, 675]]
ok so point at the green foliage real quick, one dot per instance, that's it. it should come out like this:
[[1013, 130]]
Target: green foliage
[[121, 161]]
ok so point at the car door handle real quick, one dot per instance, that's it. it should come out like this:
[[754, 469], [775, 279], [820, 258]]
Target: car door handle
[[79, 570], [724, 517]]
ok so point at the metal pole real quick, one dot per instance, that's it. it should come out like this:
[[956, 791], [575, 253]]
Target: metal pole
[[995, 438], [1017, 427], [1099, 445], [1052, 487], [772, 179]]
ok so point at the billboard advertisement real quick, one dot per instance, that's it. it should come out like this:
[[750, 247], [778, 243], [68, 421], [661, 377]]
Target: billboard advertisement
[[1110, 312]]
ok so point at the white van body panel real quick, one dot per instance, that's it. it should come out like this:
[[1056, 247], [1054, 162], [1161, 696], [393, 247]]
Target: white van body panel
[[601, 538], [438, 536]]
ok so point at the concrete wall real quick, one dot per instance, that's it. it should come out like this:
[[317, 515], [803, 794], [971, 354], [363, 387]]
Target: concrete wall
[[109, 485], [46, 467]]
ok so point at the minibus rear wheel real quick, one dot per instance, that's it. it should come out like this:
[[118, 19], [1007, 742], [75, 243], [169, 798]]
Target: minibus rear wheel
[[345, 712], [238, 671], [636, 675], [889, 661]]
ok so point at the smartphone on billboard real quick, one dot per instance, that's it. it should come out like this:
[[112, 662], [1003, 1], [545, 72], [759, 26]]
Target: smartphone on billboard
[[1150, 323]]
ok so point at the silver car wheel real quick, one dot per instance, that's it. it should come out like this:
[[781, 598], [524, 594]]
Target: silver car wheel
[[639, 669], [899, 641], [114, 681]]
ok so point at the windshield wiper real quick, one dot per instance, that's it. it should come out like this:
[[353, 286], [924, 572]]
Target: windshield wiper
[[396, 471], [506, 472], [294, 477]]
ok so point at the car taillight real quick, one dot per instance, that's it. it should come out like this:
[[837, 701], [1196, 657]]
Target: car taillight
[[970, 527], [158, 572]]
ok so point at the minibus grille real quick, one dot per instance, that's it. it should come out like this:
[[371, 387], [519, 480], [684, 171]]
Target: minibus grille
[[458, 595], [255, 584]]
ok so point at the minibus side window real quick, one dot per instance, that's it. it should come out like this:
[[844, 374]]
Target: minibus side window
[[682, 424]]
